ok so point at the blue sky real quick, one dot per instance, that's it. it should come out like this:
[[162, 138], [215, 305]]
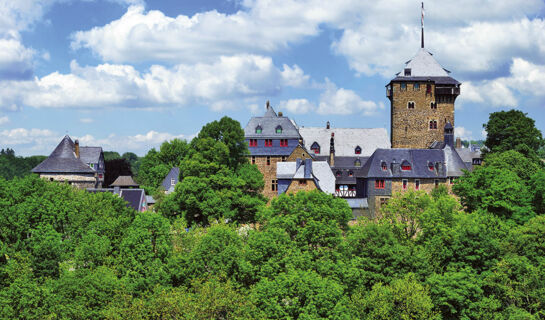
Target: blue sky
[[129, 74]]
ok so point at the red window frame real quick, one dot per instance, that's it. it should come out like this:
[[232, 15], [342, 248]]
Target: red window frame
[[379, 184], [268, 142], [405, 183], [417, 184], [383, 166], [283, 142], [406, 167], [253, 143], [316, 150], [430, 166], [357, 150]]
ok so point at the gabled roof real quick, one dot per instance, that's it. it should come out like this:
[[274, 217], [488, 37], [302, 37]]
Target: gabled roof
[[346, 140], [63, 160], [174, 173], [320, 172], [268, 123], [90, 154], [124, 181], [136, 198], [424, 67]]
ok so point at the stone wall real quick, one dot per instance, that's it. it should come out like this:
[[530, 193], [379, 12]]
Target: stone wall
[[297, 186], [268, 171], [299, 152], [410, 127], [81, 181]]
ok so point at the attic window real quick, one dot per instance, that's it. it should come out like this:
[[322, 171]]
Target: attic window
[[406, 166], [278, 129], [315, 147], [338, 173], [357, 150], [407, 72], [410, 105], [350, 173], [430, 166], [357, 163], [383, 166], [258, 129]]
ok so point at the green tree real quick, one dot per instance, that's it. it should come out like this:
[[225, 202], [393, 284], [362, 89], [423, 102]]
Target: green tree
[[403, 213], [514, 161], [508, 129], [111, 155], [155, 165], [12, 166], [133, 160], [537, 187]]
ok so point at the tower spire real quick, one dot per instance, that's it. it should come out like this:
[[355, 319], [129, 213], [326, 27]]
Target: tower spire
[[422, 26]]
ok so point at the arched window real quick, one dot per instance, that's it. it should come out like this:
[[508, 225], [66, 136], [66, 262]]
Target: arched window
[[433, 105], [278, 129], [430, 166], [433, 124], [315, 147], [410, 105], [384, 166], [405, 165], [258, 129], [338, 173], [357, 150]]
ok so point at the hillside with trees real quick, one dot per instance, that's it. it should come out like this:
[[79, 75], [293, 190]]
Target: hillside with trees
[[214, 248]]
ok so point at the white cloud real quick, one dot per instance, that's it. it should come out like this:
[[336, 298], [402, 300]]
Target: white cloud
[[29, 141], [4, 120], [297, 106], [106, 85], [463, 133], [15, 58], [86, 120], [342, 101]]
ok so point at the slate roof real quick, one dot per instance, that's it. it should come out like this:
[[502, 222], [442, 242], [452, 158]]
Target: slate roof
[[271, 151], [418, 159], [346, 140], [320, 172], [90, 154], [424, 67], [63, 160], [134, 197], [124, 181], [174, 173], [268, 124]]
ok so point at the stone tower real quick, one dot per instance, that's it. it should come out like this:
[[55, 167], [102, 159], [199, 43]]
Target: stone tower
[[422, 99]]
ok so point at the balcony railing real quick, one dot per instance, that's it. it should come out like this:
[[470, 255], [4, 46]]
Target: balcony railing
[[447, 90]]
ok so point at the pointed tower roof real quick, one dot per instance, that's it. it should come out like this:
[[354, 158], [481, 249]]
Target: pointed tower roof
[[63, 160], [270, 111], [423, 64]]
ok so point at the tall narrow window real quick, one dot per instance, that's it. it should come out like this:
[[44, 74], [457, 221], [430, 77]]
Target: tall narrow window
[[428, 88], [274, 185], [430, 166], [379, 184], [357, 150], [416, 184], [433, 105], [253, 159], [410, 105], [268, 142], [384, 166], [403, 86], [416, 86], [283, 142], [405, 182], [253, 143], [436, 183], [268, 160], [433, 124]]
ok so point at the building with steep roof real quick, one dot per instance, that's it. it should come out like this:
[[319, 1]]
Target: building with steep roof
[[422, 97], [82, 167], [124, 182], [171, 179], [304, 175]]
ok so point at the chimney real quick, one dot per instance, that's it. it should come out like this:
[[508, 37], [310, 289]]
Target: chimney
[[458, 143], [308, 168], [327, 125], [396, 168], [332, 150], [280, 114], [117, 190], [268, 105], [76, 147]]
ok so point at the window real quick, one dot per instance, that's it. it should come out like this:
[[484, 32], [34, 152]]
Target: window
[[258, 129], [268, 142], [100, 175], [476, 161], [436, 183], [433, 124], [416, 184], [405, 182], [278, 129], [172, 181], [92, 165], [379, 184], [406, 166], [383, 201], [384, 166], [433, 105], [284, 158], [350, 173], [430, 166], [428, 88], [315, 147], [403, 86], [283, 142], [302, 182], [357, 150], [407, 72], [253, 143], [357, 163], [253, 159], [338, 173], [274, 185], [410, 105], [416, 87], [451, 180], [268, 160]]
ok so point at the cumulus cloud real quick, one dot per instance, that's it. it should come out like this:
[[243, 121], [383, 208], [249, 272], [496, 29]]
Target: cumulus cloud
[[15, 58], [297, 106], [216, 84], [4, 120], [463, 133], [29, 141], [343, 102]]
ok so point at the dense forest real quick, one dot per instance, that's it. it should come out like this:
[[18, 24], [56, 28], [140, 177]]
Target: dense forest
[[214, 248], [13, 166]]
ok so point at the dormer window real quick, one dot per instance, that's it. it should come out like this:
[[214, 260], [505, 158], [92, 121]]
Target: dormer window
[[430, 166], [407, 72], [278, 129], [350, 173], [357, 150], [315, 147], [258, 129], [406, 166], [410, 105], [384, 166], [338, 173], [357, 163]]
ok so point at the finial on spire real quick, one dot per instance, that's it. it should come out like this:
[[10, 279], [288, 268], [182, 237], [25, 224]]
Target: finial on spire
[[268, 105], [422, 25]]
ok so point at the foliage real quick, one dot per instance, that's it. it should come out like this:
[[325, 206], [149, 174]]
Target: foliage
[[155, 165], [506, 130], [115, 168], [12, 166]]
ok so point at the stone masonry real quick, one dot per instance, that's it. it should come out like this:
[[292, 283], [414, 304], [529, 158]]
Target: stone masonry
[[410, 127], [267, 166]]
